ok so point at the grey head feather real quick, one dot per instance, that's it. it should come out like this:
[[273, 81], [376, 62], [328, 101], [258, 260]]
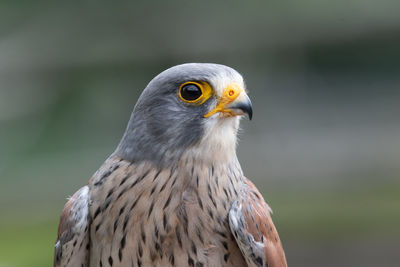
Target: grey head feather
[[162, 126]]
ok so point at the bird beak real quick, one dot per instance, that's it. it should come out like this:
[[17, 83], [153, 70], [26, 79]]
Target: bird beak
[[234, 102]]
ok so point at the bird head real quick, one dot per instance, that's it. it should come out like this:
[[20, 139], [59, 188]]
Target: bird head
[[191, 109]]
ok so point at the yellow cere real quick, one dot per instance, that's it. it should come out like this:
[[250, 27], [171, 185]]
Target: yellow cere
[[231, 92], [206, 91]]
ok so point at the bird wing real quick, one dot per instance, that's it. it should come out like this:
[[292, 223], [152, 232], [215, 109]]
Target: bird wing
[[72, 244], [251, 224]]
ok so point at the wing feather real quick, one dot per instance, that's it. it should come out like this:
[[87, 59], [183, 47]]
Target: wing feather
[[72, 244], [254, 231]]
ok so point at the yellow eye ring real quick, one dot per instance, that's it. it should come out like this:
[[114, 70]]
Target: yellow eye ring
[[195, 92]]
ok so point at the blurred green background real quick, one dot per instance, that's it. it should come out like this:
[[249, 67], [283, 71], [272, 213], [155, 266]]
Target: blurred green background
[[323, 147]]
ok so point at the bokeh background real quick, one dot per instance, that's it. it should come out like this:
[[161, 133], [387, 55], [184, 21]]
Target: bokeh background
[[323, 147]]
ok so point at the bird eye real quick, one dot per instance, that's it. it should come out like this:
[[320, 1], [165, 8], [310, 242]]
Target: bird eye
[[190, 92], [195, 93]]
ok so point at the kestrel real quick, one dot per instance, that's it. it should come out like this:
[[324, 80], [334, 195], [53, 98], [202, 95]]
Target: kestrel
[[173, 193]]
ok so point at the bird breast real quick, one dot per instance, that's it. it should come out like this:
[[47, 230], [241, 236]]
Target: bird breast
[[171, 216]]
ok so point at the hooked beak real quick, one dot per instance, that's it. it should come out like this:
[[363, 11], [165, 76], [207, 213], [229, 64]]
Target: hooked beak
[[234, 102], [243, 106]]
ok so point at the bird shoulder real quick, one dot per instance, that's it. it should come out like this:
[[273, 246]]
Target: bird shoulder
[[251, 224], [72, 244]]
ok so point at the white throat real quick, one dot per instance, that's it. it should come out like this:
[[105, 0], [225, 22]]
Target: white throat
[[218, 145]]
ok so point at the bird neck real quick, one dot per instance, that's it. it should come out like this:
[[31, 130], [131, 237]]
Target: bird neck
[[215, 143], [218, 144], [205, 179]]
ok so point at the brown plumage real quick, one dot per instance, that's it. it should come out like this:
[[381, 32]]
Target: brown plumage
[[254, 230], [193, 208]]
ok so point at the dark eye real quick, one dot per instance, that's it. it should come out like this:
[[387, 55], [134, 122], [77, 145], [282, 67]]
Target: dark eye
[[191, 92]]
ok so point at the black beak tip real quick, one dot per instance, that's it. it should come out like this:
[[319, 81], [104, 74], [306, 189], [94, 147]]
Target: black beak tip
[[250, 113], [246, 107]]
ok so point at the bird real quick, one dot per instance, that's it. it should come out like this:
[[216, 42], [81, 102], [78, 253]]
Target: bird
[[173, 192]]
